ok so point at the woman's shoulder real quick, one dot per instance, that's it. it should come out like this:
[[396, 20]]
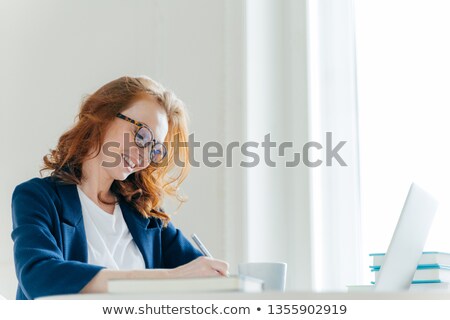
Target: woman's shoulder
[[45, 186], [37, 201], [37, 182]]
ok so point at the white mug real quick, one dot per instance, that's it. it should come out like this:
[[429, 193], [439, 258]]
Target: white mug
[[272, 273]]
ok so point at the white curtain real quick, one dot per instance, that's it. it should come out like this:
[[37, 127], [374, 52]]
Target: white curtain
[[297, 62], [333, 108]]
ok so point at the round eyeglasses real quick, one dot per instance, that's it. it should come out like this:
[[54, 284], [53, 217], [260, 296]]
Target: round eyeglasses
[[144, 137]]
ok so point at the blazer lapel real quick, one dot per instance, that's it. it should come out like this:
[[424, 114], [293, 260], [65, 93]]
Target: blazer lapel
[[71, 215], [146, 234]]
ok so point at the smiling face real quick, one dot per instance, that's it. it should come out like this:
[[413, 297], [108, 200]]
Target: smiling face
[[120, 156]]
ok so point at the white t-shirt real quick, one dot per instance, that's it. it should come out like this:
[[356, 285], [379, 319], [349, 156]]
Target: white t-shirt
[[110, 243]]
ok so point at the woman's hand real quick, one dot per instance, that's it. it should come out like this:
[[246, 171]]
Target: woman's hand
[[200, 267]]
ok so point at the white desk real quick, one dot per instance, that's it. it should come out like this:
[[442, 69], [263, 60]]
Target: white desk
[[292, 295]]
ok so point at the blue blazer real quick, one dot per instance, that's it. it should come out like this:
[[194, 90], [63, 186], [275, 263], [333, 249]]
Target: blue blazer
[[50, 248]]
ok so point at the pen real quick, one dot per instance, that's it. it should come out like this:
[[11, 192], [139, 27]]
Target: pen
[[201, 246], [203, 249]]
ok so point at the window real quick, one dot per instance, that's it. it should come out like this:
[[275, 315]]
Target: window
[[403, 76]]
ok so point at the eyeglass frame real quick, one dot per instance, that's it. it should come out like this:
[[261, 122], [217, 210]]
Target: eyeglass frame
[[153, 141]]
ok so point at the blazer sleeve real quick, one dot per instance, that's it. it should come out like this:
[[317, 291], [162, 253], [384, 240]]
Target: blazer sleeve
[[40, 266], [176, 249]]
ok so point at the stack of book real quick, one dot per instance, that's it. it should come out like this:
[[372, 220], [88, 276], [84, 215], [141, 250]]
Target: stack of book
[[433, 267]]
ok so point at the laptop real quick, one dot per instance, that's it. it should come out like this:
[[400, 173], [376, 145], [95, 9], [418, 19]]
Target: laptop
[[408, 241]]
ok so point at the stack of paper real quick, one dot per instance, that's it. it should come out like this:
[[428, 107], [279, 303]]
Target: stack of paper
[[206, 284]]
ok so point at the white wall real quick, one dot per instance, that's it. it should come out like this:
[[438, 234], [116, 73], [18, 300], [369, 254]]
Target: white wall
[[54, 52]]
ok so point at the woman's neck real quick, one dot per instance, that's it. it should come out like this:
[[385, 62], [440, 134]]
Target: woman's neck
[[95, 181]]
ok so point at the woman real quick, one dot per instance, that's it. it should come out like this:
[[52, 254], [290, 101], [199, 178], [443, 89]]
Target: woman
[[98, 216]]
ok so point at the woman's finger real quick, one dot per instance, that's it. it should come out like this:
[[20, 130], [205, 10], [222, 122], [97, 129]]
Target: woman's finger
[[220, 266]]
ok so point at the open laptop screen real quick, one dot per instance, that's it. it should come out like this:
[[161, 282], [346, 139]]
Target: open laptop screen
[[408, 241]]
